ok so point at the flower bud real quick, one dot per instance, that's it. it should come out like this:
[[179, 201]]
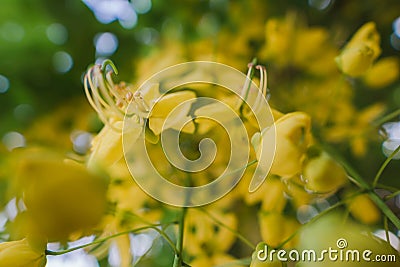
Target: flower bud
[[355, 61], [364, 209], [324, 175]]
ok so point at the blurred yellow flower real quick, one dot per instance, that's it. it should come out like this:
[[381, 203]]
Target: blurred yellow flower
[[23, 253], [61, 196], [276, 228], [203, 236], [293, 136], [360, 52], [323, 174], [383, 73], [363, 209]]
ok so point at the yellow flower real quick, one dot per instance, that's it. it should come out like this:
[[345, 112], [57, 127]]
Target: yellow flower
[[276, 228], [23, 253], [360, 52], [322, 174], [355, 61], [293, 136], [204, 236], [383, 73], [274, 198], [363, 209], [61, 197], [368, 35]]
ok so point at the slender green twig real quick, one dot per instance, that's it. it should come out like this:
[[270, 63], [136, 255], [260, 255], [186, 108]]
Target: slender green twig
[[392, 195], [178, 260], [386, 118], [382, 168], [386, 227], [369, 189], [387, 187], [218, 222], [101, 240]]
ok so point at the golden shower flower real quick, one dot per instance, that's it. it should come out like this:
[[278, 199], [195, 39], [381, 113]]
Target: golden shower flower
[[274, 198], [383, 73], [276, 228], [23, 253], [61, 196], [323, 174], [363, 209], [203, 236], [360, 52], [293, 136]]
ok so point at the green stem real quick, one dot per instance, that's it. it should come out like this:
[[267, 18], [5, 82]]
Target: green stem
[[101, 240], [392, 195], [388, 117], [365, 186], [178, 260], [218, 222], [382, 168], [152, 226], [387, 187]]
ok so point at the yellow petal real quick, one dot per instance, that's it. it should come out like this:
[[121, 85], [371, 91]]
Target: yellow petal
[[383, 73]]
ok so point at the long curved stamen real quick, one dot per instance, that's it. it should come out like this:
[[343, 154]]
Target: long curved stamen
[[108, 99], [263, 87], [246, 86]]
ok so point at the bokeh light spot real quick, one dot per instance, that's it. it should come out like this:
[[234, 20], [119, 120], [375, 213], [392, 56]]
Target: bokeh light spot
[[319, 4], [62, 62], [13, 140], [396, 27], [106, 43], [4, 84], [141, 6], [57, 33]]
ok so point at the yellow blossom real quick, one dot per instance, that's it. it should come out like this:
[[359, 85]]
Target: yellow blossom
[[61, 197], [355, 61], [383, 73], [23, 253], [293, 136], [204, 236], [360, 52], [277, 228], [323, 174], [274, 198], [363, 209]]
